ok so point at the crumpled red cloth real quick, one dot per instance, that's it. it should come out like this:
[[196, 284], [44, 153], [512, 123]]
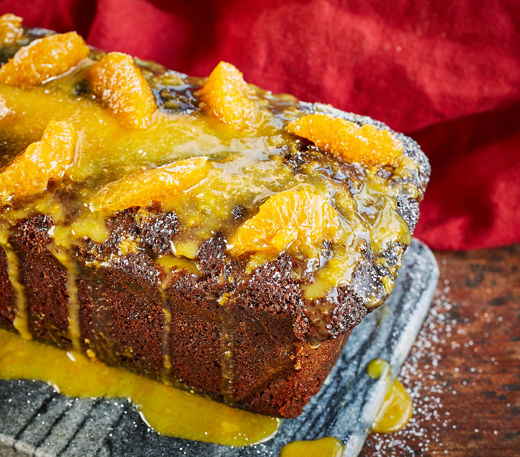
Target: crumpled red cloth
[[446, 73]]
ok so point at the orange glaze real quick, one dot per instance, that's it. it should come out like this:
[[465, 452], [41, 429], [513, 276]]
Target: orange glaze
[[323, 447], [168, 410], [396, 409]]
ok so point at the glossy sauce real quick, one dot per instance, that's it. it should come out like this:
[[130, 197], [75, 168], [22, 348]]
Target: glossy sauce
[[396, 409], [323, 447], [168, 410]]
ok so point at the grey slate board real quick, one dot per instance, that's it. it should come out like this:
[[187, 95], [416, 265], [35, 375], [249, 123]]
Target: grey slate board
[[37, 421]]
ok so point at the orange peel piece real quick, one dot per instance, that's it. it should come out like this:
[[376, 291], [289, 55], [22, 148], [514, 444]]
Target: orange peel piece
[[366, 144], [48, 159], [294, 219], [159, 185], [44, 59], [226, 96], [10, 28], [121, 86]]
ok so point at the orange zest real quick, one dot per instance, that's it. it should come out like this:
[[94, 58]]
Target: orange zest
[[363, 144], [121, 86], [158, 185], [226, 96], [42, 161], [10, 28], [295, 219], [44, 59]]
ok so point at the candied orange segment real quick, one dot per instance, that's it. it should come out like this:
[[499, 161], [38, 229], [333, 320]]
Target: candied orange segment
[[121, 86], [366, 144], [10, 28], [156, 185], [44, 59], [226, 96], [4, 110], [298, 220], [43, 160]]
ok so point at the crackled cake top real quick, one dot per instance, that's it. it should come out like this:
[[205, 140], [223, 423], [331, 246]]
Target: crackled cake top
[[88, 137]]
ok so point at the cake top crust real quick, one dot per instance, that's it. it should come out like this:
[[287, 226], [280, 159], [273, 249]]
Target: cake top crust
[[126, 157]]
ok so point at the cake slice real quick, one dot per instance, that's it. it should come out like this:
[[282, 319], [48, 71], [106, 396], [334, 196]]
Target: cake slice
[[198, 231]]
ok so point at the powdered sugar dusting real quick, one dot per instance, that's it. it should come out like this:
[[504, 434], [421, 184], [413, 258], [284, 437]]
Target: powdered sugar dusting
[[420, 375]]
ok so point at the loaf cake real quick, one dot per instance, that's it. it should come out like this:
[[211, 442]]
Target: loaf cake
[[199, 231]]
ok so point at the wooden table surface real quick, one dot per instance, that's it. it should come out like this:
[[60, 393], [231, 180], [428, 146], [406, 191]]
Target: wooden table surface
[[463, 373]]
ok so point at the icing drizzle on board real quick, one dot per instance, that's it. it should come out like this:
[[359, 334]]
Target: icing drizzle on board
[[396, 409], [169, 410], [323, 447]]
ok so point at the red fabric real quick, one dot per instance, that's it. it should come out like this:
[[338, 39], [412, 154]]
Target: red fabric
[[446, 73]]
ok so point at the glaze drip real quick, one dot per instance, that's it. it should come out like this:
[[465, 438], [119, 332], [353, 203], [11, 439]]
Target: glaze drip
[[396, 409], [226, 340], [66, 259], [323, 447], [168, 410], [20, 320]]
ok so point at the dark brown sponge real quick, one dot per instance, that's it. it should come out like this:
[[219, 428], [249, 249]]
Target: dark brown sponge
[[7, 298]]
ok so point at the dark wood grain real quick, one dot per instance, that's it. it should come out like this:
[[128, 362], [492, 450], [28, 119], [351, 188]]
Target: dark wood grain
[[463, 373]]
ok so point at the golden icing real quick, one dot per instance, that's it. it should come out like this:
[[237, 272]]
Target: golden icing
[[168, 410], [63, 254], [13, 272], [323, 447], [379, 367], [396, 409]]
